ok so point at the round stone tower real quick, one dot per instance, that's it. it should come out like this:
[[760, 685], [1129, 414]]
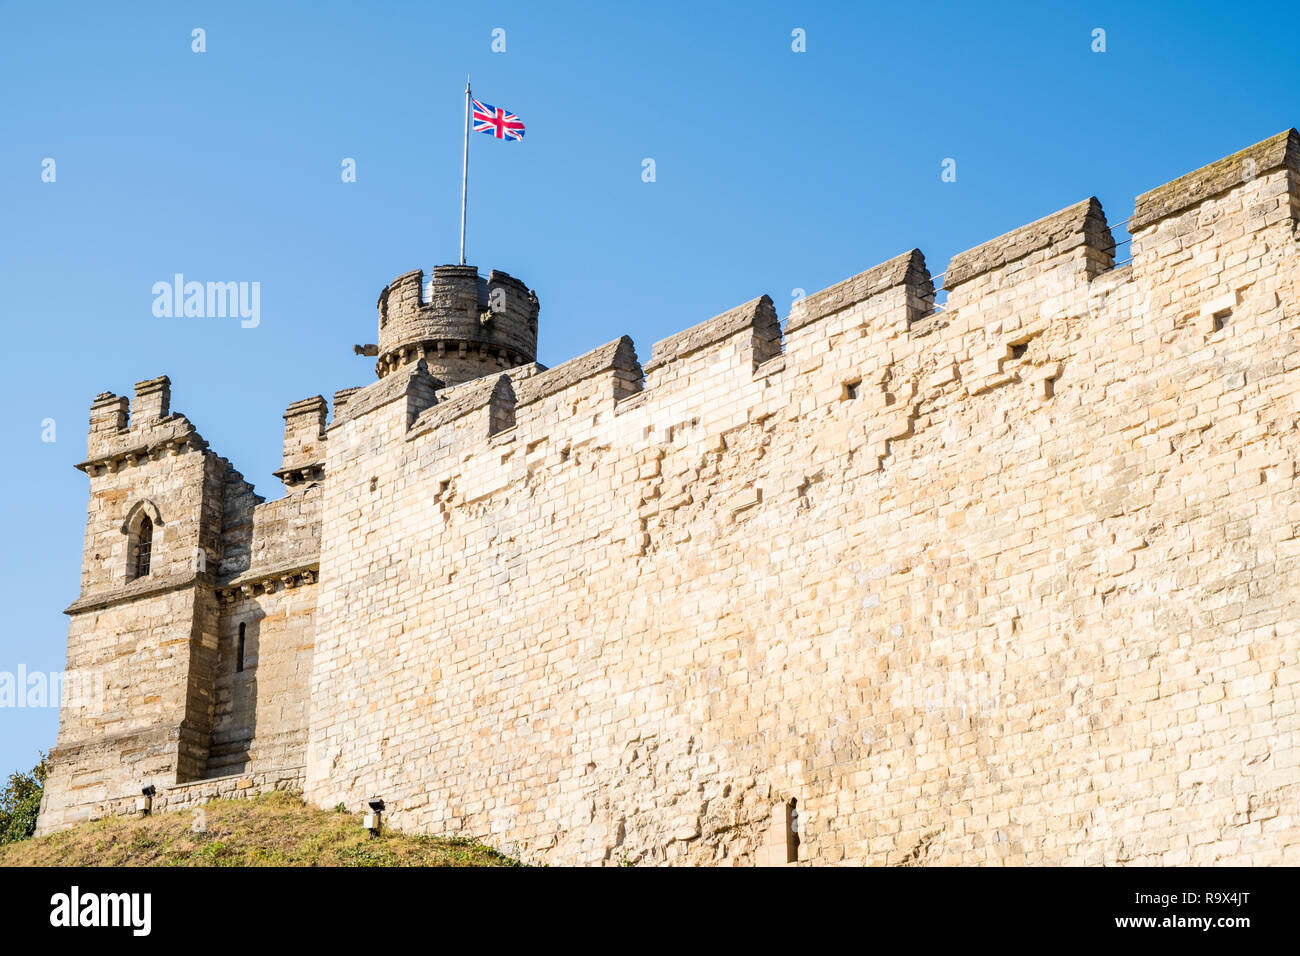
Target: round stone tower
[[464, 327]]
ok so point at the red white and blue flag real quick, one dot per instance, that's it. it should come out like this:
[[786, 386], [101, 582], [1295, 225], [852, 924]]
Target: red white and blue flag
[[495, 121]]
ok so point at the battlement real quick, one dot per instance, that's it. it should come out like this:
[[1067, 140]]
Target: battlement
[[1002, 294], [117, 437], [460, 324]]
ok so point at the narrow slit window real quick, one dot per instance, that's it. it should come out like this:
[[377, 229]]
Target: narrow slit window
[[239, 651], [143, 548]]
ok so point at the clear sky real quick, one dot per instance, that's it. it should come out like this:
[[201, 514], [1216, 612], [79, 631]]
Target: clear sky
[[774, 170]]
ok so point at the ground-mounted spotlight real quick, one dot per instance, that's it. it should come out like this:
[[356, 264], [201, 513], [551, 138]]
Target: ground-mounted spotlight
[[374, 819], [144, 802]]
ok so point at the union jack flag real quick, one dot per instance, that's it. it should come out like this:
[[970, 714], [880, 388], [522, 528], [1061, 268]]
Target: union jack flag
[[495, 121]]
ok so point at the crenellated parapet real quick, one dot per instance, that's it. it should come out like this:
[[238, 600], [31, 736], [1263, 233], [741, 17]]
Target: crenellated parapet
[[119, 439], [1002, 295], [459, 323]]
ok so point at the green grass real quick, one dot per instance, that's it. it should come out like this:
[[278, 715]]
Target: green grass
[[275, 829]]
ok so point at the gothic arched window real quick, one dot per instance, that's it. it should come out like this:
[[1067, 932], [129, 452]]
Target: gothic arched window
[[140, 525], [143, 549]]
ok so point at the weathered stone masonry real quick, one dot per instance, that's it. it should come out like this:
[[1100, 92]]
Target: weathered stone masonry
[[1011, 581]]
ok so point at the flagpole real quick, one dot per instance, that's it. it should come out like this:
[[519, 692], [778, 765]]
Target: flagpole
[[464, 175]]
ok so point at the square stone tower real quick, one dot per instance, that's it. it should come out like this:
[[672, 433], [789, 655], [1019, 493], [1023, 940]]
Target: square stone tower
[[142, 641]]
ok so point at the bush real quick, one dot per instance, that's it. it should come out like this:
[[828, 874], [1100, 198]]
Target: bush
[[20, 802]]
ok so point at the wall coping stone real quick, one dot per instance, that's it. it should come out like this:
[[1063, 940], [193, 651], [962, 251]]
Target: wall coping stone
[[1276, 152]]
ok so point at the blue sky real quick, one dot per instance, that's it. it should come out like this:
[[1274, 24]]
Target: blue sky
[[775, 170]]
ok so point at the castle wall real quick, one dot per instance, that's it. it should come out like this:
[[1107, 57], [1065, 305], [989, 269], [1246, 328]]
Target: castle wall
[[261, 711], [285, 532], [1013, 582], [1010, 581], [119, 723]]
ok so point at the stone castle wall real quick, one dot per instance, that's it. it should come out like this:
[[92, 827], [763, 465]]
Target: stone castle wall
[[1010, 581], [260, 718]]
